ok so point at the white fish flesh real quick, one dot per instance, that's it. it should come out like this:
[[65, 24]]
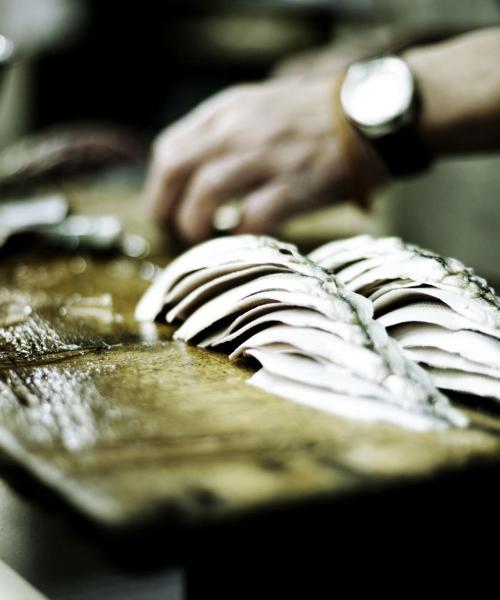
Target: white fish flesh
[[313, 342], [225, 255], [346, 405], [435, 357], [255, 296], [325, 375], [425, 312], [296, 317], [474, 346], [465, 382], [290, 289]]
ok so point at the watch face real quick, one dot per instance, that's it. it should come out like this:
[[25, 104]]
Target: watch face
[[378, 93]]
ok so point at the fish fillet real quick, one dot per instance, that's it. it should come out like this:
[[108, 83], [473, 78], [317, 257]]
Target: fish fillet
[[440, 311], [255, 296]]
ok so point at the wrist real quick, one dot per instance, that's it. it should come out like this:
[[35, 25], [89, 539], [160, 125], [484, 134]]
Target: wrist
[[363, 170], [381, 101], [460, 89], [435, 122]]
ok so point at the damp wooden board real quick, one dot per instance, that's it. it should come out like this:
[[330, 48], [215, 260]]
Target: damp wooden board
[[128, 426]]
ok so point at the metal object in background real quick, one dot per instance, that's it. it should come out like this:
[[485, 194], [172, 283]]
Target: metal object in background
[[18, 216], [6, 50], [13, 586], [66, 151], [82, 232], [46, 220], [6, 55], [94, 234]]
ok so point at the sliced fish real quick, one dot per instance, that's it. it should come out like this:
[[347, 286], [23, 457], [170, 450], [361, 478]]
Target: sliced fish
[[296, 317], [351, 407], [469, 383], [255, 296], [325, 375], [219, 274], [469, 344], [313, 342], [423, 267], [425, 312], [187, 304], [439, 310], [434, 357], [291, 289], [223, 253], [461, 305], [336, 255], [218, 333]]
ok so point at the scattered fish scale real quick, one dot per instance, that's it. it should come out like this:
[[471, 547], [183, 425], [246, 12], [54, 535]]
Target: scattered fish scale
[[439, 310], [317, 341]]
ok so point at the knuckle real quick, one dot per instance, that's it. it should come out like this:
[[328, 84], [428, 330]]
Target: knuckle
[[162, 142], [209, 180], [165, 164], [238, 92], [189, 228]]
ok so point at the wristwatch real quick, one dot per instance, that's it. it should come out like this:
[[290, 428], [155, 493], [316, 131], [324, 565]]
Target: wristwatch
[[380, 99]]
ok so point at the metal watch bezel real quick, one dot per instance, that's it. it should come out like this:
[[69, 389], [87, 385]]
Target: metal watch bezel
[[358, 73]]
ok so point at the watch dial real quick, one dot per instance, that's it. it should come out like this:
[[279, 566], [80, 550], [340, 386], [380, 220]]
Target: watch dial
[[377, 92]]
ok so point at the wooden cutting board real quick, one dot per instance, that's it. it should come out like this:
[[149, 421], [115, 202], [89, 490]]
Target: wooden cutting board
[[127, 425]]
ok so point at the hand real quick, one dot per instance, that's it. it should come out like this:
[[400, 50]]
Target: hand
[[272, 144]]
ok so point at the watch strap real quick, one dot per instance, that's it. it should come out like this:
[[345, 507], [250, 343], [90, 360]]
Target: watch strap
[[351, 143], [402, 151]]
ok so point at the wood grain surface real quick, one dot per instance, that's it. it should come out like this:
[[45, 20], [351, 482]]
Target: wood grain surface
[[127, 425]]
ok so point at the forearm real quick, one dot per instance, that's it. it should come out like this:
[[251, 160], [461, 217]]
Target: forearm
[[460, 87], [275, 145]]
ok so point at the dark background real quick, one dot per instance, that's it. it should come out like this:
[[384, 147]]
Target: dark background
[[144, 64]]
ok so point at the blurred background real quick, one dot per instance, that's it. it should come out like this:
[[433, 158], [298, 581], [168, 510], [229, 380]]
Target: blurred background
[[139, 66], [126, 70]]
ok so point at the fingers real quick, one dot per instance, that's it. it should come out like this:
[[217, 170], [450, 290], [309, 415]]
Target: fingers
[[263, 141], [163, 187], [265, 209], [213, 184], [179, 151], [312, 177], [172, 167]]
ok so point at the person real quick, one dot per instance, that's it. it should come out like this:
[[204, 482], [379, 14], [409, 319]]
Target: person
[[276, 145]]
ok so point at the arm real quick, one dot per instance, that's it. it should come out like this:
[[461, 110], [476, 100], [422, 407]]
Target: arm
[[347, 47], [274, 144], [460, 86]]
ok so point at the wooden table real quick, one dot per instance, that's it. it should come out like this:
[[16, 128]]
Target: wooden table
[[165, 448]]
